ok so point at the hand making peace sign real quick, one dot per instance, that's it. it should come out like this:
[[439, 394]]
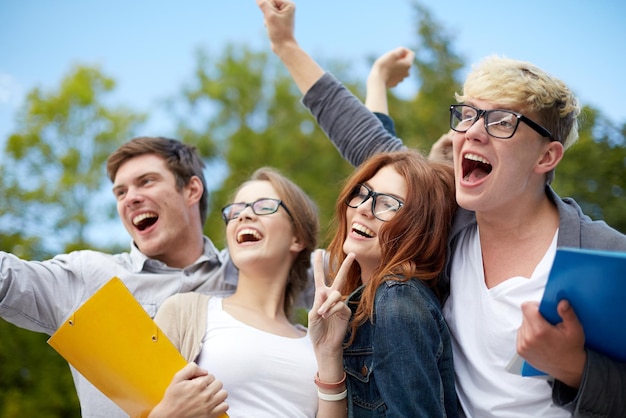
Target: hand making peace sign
[[329, 316]]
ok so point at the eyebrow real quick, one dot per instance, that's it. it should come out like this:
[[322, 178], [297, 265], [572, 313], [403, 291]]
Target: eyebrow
[[137, 179], [388, 194]]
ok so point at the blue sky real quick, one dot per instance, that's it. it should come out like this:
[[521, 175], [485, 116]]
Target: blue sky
[[148, 46]]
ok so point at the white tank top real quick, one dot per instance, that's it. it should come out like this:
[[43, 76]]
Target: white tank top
[[265, 375], [484, 324]]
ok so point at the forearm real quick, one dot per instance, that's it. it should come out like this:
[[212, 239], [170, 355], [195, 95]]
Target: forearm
[[354, 130], [330, 369], [302, 68], [376, 98]]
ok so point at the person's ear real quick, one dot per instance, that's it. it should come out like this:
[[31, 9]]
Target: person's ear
[[552, 155], [194, 190], [296, 245]]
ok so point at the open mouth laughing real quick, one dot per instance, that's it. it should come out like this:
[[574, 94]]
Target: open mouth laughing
[[362, 230], [248, 235], [145, 220], [475, 167]]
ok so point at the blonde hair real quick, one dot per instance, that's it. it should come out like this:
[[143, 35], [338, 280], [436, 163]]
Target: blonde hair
[[520, 84]]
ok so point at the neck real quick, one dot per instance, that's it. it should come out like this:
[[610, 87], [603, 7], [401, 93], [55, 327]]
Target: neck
[[521, 221], [261, 293], [185, 256]]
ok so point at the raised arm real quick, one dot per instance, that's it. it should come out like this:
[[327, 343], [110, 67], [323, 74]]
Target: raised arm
[[389, 70], [354, 130], [279, 17]]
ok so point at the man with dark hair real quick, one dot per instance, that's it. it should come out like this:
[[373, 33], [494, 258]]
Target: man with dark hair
[[162, 202]]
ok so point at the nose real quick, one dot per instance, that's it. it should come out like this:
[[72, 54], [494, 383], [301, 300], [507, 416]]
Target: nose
[[477, 131], [366, 208], [246, 213], [132, 197]]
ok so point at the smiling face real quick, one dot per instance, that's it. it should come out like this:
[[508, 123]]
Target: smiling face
[[364, 227], [164, 222], [257, 242], [494, 174]]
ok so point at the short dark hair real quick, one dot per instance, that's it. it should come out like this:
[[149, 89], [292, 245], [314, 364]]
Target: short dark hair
[[182, 160]]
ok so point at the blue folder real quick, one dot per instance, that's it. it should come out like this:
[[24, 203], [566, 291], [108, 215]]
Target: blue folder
[[594, 283]]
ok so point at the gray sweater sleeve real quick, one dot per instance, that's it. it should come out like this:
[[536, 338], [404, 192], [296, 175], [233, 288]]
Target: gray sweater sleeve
[[354, 130], [602, 390]]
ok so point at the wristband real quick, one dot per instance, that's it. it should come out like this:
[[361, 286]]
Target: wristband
[[330, 386], [332, 397]]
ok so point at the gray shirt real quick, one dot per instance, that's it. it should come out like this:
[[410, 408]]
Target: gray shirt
[[39, 296]]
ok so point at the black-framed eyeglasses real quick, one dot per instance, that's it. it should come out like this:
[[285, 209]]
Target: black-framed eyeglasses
[[499, 123], [384, 206], [264, 206]]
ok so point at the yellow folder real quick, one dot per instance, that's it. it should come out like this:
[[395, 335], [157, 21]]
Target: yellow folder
[[112, 341]]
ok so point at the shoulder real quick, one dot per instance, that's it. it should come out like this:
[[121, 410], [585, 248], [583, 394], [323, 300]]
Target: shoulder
[[578, 230], [185, 300], [412, 295], [182, 306]]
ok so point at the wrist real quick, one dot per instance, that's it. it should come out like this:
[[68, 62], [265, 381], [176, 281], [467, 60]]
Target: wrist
[[332, 397], [330, 382], [285, 48]]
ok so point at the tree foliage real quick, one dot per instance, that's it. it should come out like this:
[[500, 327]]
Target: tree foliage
[[54, 162], [34, 380], [52, 174], [593, 170], [421, 120], [255, 120]]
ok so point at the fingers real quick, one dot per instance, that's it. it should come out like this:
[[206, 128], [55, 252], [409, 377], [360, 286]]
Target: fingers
[[404, 55], [333, 305], [190, 371], [331, 300], [215, 391], [330, 304], [530, 307], [442, 148], [342, 274], [567, 314], [318, 268]]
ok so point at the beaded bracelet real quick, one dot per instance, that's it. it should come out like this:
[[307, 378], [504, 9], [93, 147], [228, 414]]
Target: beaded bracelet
[[326, 385], [332, 397]]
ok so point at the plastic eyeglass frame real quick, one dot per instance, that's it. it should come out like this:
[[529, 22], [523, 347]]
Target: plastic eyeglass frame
[[374, 195], [483, 113], [251, 205]]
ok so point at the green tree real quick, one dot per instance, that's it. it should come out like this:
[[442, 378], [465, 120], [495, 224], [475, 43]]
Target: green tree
[[256, 120], [593, 170], [52, 174], [34, 380], [421, 120], [54, 162]]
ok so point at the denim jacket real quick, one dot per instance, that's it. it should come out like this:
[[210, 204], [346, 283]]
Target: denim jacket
[[400, 364]]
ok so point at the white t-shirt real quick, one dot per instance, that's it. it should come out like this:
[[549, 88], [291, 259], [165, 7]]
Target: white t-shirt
[[484, 324], [265, 375]]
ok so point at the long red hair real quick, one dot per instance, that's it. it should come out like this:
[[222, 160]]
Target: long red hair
[[414, 242]]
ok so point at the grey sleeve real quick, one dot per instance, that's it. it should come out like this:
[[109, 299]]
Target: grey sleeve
[[36, 295], [354, 130], [602, 392]]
